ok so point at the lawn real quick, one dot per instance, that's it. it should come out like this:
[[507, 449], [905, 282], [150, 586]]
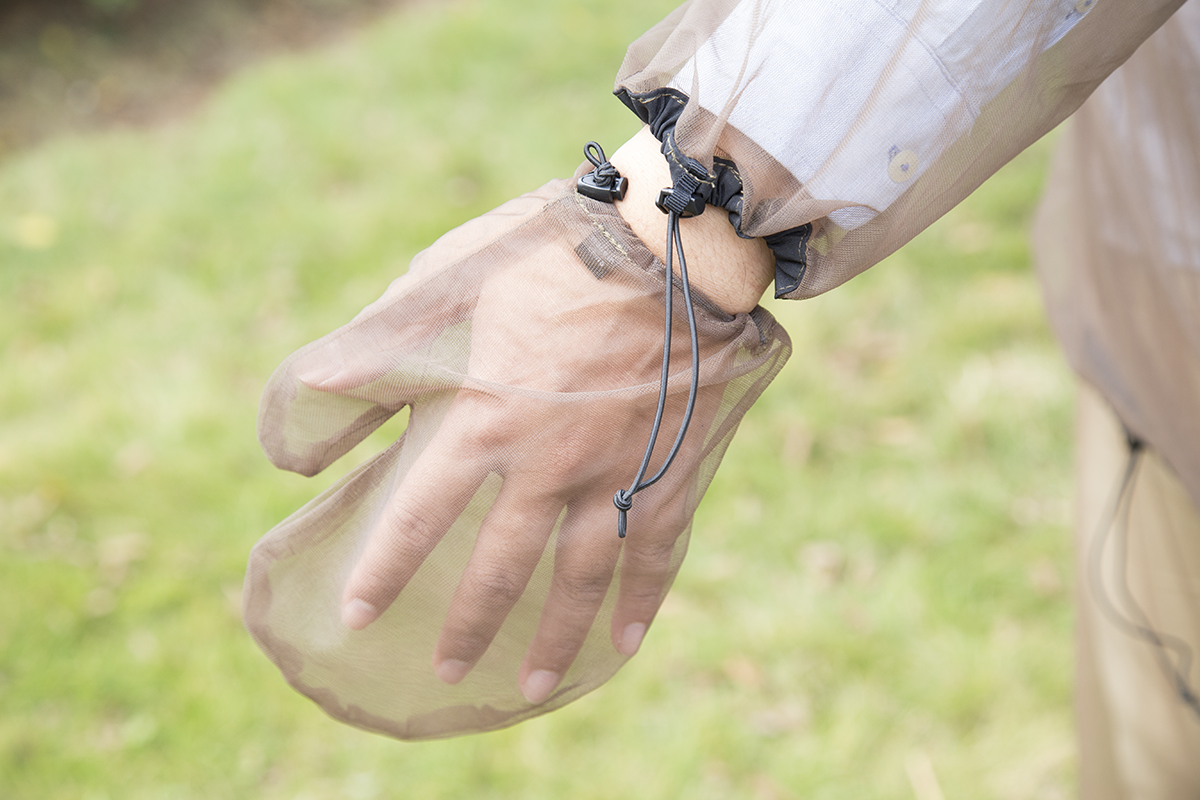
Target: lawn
[[876, 601]]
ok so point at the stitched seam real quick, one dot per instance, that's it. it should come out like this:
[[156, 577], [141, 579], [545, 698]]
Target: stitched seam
[[596, 223], [649, 97], [673, 157], [656, 94]]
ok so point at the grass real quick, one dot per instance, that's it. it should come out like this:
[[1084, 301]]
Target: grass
[[879, 577]]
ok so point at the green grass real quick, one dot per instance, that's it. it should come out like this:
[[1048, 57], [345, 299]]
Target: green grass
[[879, 576]]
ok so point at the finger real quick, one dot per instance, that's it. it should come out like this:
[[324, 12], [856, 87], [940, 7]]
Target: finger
[[431, 497], [585, 557], [653, 548], [651, 558], [510, 544]]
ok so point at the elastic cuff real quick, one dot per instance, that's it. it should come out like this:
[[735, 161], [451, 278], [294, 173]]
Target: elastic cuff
[[694, 186]]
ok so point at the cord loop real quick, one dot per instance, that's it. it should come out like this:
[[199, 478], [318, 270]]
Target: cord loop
[[623, 499], [604, 183]]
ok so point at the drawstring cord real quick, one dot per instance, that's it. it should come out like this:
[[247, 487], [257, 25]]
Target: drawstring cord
[[607, 185], [623, 499], [1133, 622]]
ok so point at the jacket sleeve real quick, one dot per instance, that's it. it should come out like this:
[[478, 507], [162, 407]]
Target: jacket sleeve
[[846, 127]]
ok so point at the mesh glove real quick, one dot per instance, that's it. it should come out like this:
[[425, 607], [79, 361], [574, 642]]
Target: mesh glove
[[470, 576]]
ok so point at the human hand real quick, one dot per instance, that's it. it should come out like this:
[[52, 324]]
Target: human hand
[[528, 344]]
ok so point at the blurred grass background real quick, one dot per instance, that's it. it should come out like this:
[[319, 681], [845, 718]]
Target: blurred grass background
[[79, 65], [876, 604]]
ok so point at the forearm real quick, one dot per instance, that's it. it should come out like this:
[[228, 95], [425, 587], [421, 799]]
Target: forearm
[[732, 271]]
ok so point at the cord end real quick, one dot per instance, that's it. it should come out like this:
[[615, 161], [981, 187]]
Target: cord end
[[623, 500]]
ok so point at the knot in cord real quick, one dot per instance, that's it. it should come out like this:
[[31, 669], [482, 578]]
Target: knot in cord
[[623, 500], [594, 153], [606, 184]]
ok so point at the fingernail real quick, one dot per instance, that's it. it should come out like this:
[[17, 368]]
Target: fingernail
[[452, 670], [539, 685], [358, 614], [631, 638]]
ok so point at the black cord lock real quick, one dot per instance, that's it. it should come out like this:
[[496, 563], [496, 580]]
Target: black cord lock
[[603, 183], [694, 206]]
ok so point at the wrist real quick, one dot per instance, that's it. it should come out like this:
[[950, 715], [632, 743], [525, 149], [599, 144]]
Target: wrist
[[732, 271]]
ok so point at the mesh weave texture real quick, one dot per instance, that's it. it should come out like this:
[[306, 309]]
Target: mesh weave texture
[[868, 119], [1118, 243], [528, 345]]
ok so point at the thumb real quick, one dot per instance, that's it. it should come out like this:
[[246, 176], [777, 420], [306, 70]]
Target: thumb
[[331, 394]]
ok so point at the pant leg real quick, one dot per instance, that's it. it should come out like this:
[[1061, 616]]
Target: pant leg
[[1137, 738]]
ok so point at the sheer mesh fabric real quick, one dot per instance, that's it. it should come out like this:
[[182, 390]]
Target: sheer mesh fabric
[[875, 136], [547, 311], [1118, 243], [545, 315]]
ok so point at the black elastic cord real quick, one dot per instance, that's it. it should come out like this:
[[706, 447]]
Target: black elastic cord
[[594, 153], [1135, 624], [623, 499]]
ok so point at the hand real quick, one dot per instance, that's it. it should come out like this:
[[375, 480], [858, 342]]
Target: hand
[[531, 365], [548, 341]]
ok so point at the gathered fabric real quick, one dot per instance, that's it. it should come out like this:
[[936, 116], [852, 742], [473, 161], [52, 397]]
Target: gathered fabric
[[869, 120]]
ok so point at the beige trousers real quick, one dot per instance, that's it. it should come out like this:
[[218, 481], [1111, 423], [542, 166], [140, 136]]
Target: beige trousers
[[1137, 738]]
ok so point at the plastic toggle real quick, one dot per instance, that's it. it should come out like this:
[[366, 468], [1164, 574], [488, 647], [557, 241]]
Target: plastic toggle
[[603, 183]]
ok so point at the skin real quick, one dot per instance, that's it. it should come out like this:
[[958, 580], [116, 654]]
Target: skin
[[729, 269], [566, 466]]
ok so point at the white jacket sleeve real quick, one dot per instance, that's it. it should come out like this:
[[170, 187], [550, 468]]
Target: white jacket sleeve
[[860, 122]]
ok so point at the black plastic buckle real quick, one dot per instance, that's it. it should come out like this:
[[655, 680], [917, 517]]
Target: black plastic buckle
[[603, 188], [693, 208], [603, 183]]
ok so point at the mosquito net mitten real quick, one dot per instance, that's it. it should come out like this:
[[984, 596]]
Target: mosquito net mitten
[[471, 576]]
